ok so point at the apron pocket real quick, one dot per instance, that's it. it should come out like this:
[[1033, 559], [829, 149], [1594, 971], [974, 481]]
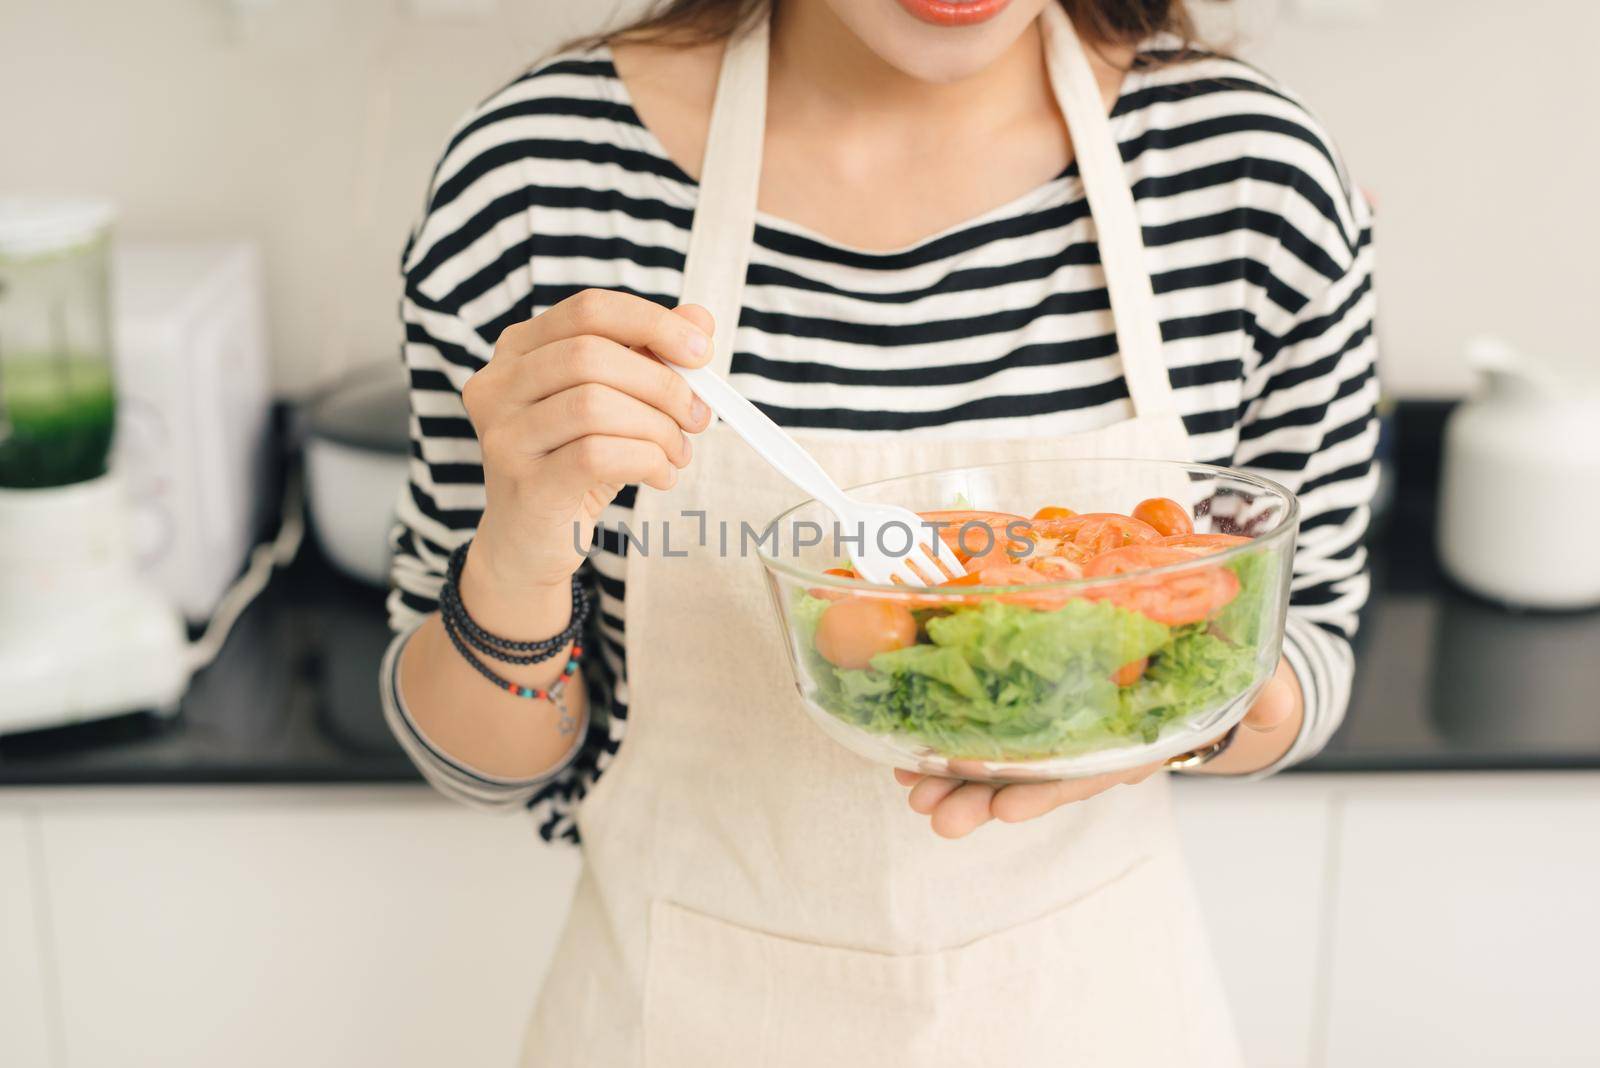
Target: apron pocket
[[1111, 979]]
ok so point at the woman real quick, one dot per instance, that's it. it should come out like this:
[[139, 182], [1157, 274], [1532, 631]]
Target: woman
[[930, 254]]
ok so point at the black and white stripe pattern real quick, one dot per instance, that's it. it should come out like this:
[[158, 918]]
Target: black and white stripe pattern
[[1260, 252]]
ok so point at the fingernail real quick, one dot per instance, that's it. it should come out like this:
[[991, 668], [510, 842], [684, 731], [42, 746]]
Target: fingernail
[[698, 343], [699, 411], [688, 451]]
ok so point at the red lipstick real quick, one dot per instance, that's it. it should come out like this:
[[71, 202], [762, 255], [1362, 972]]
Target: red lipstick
[[953, 13]]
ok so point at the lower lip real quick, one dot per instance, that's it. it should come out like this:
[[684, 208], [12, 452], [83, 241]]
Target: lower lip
[[944, 13]]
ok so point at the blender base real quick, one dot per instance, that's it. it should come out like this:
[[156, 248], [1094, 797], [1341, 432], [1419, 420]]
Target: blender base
[[82, 634]]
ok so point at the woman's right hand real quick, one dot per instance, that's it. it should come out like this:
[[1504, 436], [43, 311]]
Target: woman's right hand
[[572, 406]]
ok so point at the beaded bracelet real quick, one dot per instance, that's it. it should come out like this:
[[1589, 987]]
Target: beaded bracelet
[[553, 694], [463, 632], [504, 649]]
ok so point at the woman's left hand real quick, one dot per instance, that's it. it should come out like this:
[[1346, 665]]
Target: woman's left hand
[[957, 807]]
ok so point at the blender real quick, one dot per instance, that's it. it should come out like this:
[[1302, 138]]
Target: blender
[[82, 634]]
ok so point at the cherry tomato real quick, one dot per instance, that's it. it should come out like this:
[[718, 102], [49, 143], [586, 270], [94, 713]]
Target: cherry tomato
[[829, 592], [1053, 512], [1166, 515], [1203, 544], [853, 631], [1131, 672], [1133, 558]]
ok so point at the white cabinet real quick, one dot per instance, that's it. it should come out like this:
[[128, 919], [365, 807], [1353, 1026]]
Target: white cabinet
[[1467, 927], [1258, 853], [26, 1020], [312, 928], [1359, 922]]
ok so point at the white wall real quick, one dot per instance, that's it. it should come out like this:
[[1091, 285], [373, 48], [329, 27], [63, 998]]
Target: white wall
[[311, 125], [308, 125], [1473, 122]]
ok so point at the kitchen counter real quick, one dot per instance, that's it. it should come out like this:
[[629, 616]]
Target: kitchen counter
[[1445, 682], [292, 698]]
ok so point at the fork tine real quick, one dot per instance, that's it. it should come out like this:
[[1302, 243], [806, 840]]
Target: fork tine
[[906, 575], [929, 568], [943, 558]]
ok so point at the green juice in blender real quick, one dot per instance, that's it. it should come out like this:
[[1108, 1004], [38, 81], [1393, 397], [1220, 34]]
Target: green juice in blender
[[57, 413]]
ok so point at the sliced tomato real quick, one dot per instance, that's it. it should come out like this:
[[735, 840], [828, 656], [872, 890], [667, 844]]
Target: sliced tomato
[[1102, 533], [958, 528], [1175, 600], [1062, 527], [1131, 558], [1166, 515], [1203, 544], [1131, 672], [1051, 511], [941, 595], [996, 557], [1193, 596], [1020, 575], [1056, 568], [832, 593]]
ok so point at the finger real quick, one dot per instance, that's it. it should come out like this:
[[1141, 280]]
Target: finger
[[591, 409], [1026, 801], [697, 315], [1274, 705], [908, 778], [1138, 775], [927, 794], [589, 358], [624, 318], [964, 811], [579, 465], [972, 770]]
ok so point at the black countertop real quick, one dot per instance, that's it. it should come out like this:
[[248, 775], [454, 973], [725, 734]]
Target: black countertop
[[1445, 682]]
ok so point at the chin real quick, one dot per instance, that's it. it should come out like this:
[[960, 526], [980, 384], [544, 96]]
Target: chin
[[938, 41]]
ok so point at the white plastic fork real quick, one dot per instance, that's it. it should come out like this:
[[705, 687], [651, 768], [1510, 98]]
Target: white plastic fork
[[887, 544]]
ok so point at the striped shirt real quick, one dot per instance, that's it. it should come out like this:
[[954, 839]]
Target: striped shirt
[[1261, 259]]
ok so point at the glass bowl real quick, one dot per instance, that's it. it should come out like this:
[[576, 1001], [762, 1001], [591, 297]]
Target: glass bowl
[[1049, 678]]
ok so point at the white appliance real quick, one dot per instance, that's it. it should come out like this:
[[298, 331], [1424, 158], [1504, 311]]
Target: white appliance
[[82, 633], [1519, 495], [194, 408]]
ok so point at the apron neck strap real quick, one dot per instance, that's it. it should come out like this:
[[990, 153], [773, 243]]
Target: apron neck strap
[[1133, 302], [730, 177]]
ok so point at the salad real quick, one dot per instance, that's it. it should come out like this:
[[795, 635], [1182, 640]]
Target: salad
[[1041, 670]]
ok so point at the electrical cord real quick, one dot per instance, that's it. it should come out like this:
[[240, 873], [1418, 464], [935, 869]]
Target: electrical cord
[[264, 559]]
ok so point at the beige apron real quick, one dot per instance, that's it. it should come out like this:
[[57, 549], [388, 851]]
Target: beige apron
[[755, 895]]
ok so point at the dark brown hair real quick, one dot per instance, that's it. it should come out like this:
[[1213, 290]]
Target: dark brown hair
[[1105, 22]]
